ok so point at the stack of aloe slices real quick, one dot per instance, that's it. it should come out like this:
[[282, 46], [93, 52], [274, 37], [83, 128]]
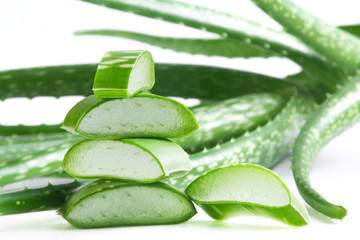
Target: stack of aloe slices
[[122, 152], [127, 149]]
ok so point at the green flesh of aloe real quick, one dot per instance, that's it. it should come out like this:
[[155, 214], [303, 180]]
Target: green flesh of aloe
[[123, 74], [106, 203], [243, 189], [124, 117], [132, 160]]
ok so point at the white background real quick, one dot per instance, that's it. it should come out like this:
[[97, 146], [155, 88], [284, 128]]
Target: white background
[[40, 32]]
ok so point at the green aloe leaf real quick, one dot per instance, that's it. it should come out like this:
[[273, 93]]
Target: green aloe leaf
[[133, 160], [171, 80], [17, 146], [353, 29], [223, 120], [36, 199], [106, 203], [246, 188], [209, 47], [339, 112], [124, 117], [123, 74], [334, 44], [56, 81], [29, 130], [34, 165]]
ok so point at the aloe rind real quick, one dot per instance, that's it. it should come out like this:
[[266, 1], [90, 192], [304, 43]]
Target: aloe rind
[[36, 199], [123, 74], [209, 47], [243, 189], [132, 160], [124, 117], [339, 112], [334, 44], [106, 203], [221, 121]]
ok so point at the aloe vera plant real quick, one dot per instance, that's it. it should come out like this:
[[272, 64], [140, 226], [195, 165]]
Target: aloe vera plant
[[332, 61], [132, 160], [123, 74], [327, 64]]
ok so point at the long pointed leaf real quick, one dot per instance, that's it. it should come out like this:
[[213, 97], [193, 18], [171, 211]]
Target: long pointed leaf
[[339, 112], [334, 44], [209, 47]]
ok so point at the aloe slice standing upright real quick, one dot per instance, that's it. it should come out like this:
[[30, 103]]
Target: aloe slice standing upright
[[123, 74], [133, 160], [124, 117], [243, 189], [106, 203]]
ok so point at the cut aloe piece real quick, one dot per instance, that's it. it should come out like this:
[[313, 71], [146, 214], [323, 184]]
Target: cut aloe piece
[[106, 203], [145, 115], [246, 189], [123, 74], [136, 160]]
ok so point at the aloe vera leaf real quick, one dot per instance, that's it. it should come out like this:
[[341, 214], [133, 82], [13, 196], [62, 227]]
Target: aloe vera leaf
[[36, 199], [228, 26], [353, 29], [212, 83], [131, 160], [25, 130], [34, 165], [265, 146], [54, 81], [111, 118], [246, 189], [221, 121], [124, 73], [334, 45], [18, 146], [336, 114], [171, 80], [106, 203], [209, 47]]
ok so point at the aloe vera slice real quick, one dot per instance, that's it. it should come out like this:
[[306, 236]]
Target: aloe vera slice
[[145, 115], [137, 160], [243, 189], [106, 203], [123, 74]]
